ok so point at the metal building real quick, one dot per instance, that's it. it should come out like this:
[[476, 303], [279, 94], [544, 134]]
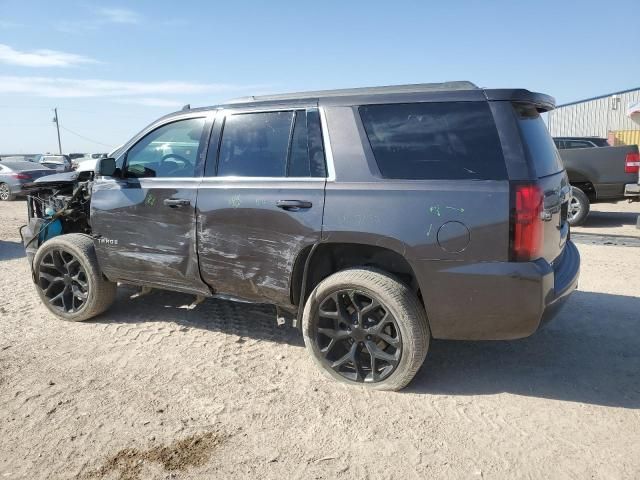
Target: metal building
[[615, 116]]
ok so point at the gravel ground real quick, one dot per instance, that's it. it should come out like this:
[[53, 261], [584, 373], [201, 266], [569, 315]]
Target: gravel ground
[[154, 390]]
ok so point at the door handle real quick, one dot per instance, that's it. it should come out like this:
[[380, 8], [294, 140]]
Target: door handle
[[176, 202], [293, 205]]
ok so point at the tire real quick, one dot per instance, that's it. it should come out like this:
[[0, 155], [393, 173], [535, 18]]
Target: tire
[[579, 207], [5, 193], [395, 331], [68, 278]]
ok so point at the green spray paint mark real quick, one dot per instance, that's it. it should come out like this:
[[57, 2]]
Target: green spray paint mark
[[461, 210]]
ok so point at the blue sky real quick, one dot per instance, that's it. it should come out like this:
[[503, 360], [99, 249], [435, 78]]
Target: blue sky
[[112, 67]]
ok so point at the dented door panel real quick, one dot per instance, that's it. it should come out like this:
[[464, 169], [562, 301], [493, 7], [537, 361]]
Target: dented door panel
[[140, 239], [248, 244]]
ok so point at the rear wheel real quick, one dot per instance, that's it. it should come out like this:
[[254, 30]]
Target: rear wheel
[[5, 193], [578, 207], [364, 327], [68, 278]]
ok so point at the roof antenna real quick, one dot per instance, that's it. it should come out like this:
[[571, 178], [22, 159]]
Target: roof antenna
[[187, 107]]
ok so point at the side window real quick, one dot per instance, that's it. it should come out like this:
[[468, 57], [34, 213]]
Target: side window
[[435, 140], [578, 144], [255, 144], [168, 151]]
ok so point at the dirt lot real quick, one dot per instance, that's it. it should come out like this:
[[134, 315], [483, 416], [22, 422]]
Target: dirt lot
[[153, 390]]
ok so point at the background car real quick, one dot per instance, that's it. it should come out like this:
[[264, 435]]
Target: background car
[[598, 174], [87, 165], [14, 174], [75, 162], [19, 158], [59, 163]]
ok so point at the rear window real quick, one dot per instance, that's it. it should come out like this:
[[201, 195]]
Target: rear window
[[541, 149], [434, 141]]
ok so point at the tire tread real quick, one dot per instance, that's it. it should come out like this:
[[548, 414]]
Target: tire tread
[[402, 299], [104, 291]]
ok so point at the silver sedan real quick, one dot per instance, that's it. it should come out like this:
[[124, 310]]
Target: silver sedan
[[14, 174]]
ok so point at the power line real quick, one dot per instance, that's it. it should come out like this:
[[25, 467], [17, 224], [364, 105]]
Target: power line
[[84, 138]]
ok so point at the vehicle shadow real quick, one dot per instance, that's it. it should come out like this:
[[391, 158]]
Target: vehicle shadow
[[590, 353], [608, 220], [10, 250], [247, 320]]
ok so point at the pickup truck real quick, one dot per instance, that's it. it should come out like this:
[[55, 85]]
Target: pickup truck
[[598, 174]]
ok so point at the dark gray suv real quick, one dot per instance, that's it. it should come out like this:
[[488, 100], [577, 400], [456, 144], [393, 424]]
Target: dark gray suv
[[374, 218]]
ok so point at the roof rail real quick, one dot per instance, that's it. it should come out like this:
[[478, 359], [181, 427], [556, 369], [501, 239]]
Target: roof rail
[[410, 88]]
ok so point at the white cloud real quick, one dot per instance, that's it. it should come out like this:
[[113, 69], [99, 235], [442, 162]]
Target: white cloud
[[41, 58], [145, 93], [119, 15]]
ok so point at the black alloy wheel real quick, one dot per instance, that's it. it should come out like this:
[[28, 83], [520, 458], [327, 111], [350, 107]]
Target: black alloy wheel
[[63, 281], [357, 336]]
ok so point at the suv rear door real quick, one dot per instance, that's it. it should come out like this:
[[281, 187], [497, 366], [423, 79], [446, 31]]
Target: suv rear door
[[261, 200]]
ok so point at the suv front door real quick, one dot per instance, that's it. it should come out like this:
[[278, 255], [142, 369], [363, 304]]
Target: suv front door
[[261, 201], [144, 220]]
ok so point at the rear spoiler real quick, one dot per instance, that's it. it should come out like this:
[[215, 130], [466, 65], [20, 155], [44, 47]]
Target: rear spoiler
[[542, 102]]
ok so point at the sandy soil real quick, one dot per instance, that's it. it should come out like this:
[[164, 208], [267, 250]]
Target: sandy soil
[[153, 390]]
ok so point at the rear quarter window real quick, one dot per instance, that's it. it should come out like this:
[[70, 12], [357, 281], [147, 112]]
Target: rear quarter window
[[541, 150], [454, 140]]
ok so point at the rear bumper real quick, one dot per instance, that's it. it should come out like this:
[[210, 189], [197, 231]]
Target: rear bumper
[[498, 300], [632, 191], [565, 281]]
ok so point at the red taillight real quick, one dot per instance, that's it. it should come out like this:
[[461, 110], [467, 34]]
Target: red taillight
[[632, 163], [526, 224], [21, 176]]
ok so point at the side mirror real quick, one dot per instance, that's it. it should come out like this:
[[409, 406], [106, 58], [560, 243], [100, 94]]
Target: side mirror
[[106, 167]]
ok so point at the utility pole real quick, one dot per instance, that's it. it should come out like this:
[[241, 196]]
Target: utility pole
[[55, 120]]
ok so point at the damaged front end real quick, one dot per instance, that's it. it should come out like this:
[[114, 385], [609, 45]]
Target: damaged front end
[[56, 204]]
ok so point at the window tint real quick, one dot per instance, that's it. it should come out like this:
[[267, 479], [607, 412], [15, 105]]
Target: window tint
[[169, 151], [255, 144], [541, 150], [434, 140], [299, 165]]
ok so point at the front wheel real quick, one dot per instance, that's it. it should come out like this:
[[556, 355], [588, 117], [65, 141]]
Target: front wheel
[[578, 207], [364, 327], [68, 278]]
